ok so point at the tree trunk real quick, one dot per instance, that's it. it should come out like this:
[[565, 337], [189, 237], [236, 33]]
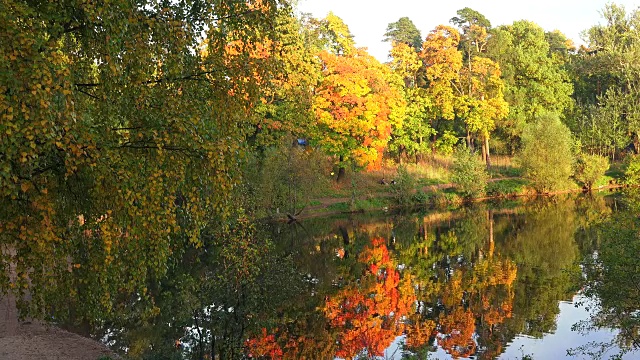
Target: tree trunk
[[341, 170], [433, 143], [469, 142], [636, 144], [488, 153]]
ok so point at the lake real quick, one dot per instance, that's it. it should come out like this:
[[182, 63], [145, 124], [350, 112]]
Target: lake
[[504, 280]]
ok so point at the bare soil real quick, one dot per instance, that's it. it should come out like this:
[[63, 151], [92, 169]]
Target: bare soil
[[30, 339]]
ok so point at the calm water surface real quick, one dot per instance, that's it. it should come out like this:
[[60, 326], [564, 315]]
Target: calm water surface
[[491, 281]]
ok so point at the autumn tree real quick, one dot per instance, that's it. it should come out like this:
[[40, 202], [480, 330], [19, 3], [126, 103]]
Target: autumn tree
[[356, 104], [442, 62], [412, 138], [472, 93], [483, 103], [480, 85], [441, 66], [121, 132]]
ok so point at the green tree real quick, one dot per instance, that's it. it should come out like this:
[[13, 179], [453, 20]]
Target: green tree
[[559, 46], [546, 156], [404, 31], [608, 77], [535, 82]]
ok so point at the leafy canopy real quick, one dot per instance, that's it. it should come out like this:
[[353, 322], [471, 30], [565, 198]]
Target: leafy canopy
[[546, 156], [404, 31]]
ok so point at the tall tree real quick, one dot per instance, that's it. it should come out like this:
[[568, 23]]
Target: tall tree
[[608, 78], [483, 103], [480, 84], [412, 138], [404, 31], [475, 27], [535, 83], [118, 136], [442, 62], [356, 104]]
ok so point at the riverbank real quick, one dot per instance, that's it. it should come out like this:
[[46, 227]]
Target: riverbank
[[32, 339], [436, 197]]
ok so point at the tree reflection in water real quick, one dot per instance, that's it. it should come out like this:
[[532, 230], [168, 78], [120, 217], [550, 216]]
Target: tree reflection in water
[[467, 282], [612, 283]]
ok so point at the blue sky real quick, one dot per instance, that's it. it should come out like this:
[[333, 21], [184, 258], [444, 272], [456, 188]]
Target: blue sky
[[368, 20]]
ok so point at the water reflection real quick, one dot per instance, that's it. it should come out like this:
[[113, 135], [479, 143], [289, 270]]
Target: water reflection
[[612, 284], [464, 283]]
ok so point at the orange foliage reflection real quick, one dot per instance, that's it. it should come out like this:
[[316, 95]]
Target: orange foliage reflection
[[371, 314], [263, 345]]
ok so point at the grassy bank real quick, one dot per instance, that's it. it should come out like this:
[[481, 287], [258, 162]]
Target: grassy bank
[[427, 184]]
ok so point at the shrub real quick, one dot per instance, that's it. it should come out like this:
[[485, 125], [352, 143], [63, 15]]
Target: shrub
[[590, 168], [546, 156], [509, 187], [446, 200], [404, 186], [632, 170], [469, 173], [422, 198]]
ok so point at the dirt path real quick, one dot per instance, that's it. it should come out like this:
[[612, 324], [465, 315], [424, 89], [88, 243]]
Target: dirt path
[[27, 340]]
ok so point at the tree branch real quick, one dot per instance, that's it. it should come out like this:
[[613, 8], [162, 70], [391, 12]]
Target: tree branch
[[196, 76]]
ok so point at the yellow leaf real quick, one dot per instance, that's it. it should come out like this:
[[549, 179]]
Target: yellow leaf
[[25, 187]]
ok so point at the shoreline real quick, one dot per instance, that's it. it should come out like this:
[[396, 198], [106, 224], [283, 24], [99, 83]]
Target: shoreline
[[33, 339], [319, 211]]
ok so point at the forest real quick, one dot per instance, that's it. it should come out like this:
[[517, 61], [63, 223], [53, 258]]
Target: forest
[[135, 134]]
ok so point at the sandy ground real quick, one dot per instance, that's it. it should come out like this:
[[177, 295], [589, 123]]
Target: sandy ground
[[26, 340]]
